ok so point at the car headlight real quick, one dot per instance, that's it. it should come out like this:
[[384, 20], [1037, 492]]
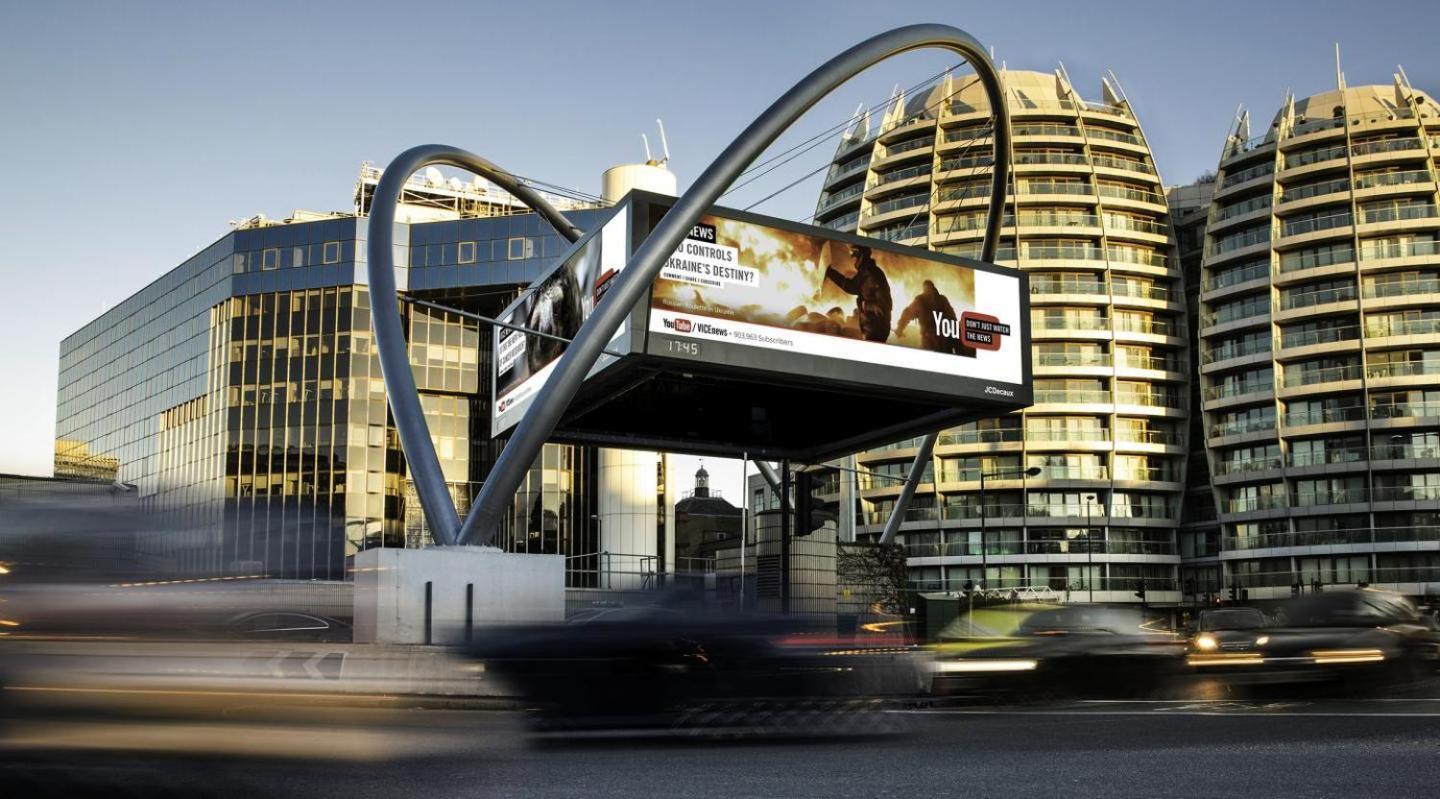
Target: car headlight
[[1206, 642], [1262, 640]]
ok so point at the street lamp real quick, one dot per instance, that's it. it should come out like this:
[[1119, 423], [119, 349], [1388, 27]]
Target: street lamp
[[1031, 472]]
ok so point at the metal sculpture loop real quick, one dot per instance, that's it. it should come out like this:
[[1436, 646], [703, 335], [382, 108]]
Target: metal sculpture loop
[[390, 341], [560, 388]]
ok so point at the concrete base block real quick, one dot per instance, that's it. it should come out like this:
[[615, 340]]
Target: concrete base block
[[466, 587]]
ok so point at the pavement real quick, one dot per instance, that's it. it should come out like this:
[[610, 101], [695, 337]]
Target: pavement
[[288, 745]]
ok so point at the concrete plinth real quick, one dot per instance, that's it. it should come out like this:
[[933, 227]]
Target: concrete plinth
[[466, 587]]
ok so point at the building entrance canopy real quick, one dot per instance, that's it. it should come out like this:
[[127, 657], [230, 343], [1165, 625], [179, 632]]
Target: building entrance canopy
[[768, 337]]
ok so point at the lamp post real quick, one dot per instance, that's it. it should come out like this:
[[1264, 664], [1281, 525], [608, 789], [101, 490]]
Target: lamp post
[[1031, 472]]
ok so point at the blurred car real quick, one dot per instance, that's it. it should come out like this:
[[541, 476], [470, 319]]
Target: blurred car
[[1215, 619], [661, 672], [1076, 650], [1369, 634]]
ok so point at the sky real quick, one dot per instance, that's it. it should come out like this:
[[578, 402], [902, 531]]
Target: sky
[[132, 133]]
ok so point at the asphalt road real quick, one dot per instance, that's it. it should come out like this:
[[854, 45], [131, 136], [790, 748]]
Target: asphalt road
[[1266, 747]]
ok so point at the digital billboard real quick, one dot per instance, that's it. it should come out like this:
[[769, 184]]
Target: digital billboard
[[770, 338], [737, 283], [556, 305]]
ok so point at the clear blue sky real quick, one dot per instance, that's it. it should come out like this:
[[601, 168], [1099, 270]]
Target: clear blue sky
[[131, 133]]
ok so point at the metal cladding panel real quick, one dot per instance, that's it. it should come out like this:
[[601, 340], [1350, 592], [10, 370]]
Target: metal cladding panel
[[786, 340]]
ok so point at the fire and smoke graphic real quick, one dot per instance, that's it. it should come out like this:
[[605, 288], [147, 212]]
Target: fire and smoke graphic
[[818, 286]]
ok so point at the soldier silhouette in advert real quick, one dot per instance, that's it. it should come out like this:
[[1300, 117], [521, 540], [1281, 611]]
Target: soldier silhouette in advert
[[923, 310], [872, 293]]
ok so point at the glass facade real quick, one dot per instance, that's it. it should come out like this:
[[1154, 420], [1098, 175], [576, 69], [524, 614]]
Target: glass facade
[[242, 396]]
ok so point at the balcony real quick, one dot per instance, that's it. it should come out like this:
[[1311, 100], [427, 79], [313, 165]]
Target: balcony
[[1127, 164], [1315, 125], [1244, 175], [897, 175], [1046, 435], [1060, 252], [1387, 146], [1073, 188], [1072, 359], [1401, 213], [900, 233], [991, 436], [1105, 134], [1045, 130], [1377, 180], [1069, 323], [1326, 457], [1230, 351], [1074, 472], [1055, 219], [1316, 156], [1328, 335], [1148, 400], [1248, 504], [1381, 371], [1062, 159], [1408, 249], [1152, 327], [1120, 222], [1127, 193], [1324, 416], [1300, 227], [1411, 493], [966, 162], [1314, 259], [1408, 410], [1291, 300], [1241, 146], [1239, 241], [1382, 327], [1067, 397], [1229, 467], [1233, 277], [1163, 437], [1243, 207], [1295, 378], [1238, 388], [1314, 190], [921, 200], [1241, 427], [1338, 496], [1131, 255], [908, 146]]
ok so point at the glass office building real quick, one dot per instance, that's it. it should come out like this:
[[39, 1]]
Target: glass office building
[[1320, 322], [1087, 219], [241, 395]]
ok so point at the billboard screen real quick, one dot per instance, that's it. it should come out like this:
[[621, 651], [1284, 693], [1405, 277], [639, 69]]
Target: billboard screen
[[826, 304], [557, 304]]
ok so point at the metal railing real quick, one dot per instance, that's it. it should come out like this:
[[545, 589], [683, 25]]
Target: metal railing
[[1296, 376], [1324, 335], [1237, 275], [1378, 327], [1314, 189], [1305, 299], [1299, 227], [1375, 180]]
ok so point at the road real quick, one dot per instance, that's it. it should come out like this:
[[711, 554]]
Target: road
[[1278, 747]]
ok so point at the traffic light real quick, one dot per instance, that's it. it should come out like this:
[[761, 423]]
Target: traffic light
[[1234, 592], [1140, 591], [811, 512]]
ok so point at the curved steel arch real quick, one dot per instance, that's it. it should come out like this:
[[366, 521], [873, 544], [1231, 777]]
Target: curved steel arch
[[389, 334], [539, 421]]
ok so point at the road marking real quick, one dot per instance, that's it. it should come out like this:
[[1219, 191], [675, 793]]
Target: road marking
[[1154, 715]]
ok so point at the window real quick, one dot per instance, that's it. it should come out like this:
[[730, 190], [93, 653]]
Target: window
[[332, 252], [270, 259], [520, 248], [467, 252], [297, 256]]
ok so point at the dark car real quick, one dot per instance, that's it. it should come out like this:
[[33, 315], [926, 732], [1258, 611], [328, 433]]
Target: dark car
[[661, 672], [1078, 650], [1367, 634], [287, 625]]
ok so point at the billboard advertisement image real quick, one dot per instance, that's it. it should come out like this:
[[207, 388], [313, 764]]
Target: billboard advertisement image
[[556, 305], [754, 285]]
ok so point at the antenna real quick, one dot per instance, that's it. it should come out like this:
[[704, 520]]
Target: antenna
[[646, 140], [664, 144]]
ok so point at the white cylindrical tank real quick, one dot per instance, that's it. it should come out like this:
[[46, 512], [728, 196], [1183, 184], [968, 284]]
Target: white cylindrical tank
[[619, 180]]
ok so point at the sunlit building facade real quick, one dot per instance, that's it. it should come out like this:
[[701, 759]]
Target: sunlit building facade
[[240, 394], [1320, 345], [1087, 219]]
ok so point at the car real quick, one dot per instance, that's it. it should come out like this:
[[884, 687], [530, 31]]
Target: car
[[1075, 650], [1367, 635], [1214, 619], [287, 625]]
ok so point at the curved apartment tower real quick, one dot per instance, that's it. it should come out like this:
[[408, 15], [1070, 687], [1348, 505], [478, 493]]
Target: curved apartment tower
[[1087, 219], [1320, 346]]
